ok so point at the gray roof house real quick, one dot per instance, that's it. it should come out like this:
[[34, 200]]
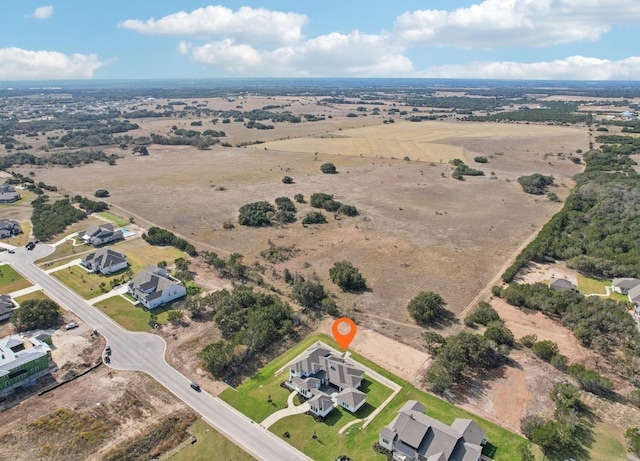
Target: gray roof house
[[154, 287], [9, 228], [6, 307], [104, 261], [414, 436], [99, 235], [622, 285], [8, 194], [562, 285], [320, 368], [634, 295]]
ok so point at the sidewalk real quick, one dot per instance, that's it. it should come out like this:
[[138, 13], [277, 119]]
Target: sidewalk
[[75, 262], [119, 291], [291, 409]]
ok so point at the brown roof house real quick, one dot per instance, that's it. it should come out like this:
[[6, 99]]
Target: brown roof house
[[154, 287], [327, 380], [104, 261], [99, 235], [9, 228], [414, 436]]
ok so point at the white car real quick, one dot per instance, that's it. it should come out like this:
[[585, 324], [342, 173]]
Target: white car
[[72, 325]]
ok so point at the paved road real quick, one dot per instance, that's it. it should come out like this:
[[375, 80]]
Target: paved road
[[145, 352]]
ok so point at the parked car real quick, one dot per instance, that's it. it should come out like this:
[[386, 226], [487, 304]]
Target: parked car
[[30, 246], [107, 350], [195, 386], [11, 252], [72, 325]]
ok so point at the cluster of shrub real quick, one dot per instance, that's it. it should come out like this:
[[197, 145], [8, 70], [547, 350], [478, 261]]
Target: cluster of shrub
[[327, 203], [49, 219], [249, 321], [461, 170], [158, 236], [597, 230], [558, 112], [263, 213], [232, 267]]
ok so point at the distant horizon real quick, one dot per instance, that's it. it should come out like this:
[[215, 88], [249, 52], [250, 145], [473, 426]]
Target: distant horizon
[[450, 39]]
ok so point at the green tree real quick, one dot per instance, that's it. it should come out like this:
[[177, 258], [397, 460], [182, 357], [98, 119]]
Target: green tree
[[545, 349], [634, 397], [101, 193], [524, 451], [499, 334], [34, 314], [308, 294], [347, 276], [328, 168], [256, 214], [482, 314], [632, 435], [175, 317], [299, 198], [565, 395], [433, 341], [314, 217], [218, 358], [427, 307], [142, 150], [287, 180]]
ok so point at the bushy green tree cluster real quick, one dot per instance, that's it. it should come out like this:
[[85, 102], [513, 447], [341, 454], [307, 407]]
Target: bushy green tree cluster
[[233, 267], [461, 170], [482, 314], [256, 214], [314, 217], [163, 237], [90, 206], [427, 307], [49, 219], [326, 202], [347, 276], [250, 322], [34, 314], [535, 183]]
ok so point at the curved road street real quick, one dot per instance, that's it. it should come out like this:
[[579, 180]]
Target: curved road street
[[145, 352]]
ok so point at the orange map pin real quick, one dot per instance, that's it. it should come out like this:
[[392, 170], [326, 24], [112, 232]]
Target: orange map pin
[[344, 339]]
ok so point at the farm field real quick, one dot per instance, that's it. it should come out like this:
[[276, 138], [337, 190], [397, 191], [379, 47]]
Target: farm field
[[418, 228]]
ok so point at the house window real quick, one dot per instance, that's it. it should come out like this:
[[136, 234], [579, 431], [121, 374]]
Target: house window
[[385, 441]]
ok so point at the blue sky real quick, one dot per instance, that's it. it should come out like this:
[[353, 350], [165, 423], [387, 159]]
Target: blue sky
[[512, 39]]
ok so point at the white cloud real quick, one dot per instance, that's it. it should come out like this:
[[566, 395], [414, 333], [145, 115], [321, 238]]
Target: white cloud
[[255, 25], [19, 64], [516, 23], [570, 68], [42, 12], [335, 54]]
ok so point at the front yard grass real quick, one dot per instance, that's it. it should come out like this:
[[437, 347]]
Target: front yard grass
[[355, 442], [10, 280], [210, 444], [86, 284], [588, 285], [130, 317], [37, 295]]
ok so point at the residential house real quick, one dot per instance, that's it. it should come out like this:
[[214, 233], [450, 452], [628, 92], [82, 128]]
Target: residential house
[[8, 194], [99, 235], [104, 261], [634, 296], [624, 284], [23, 360], [6, 307], [562, 285], [320, 372], [414, 436], [9, 228], [154, 287]]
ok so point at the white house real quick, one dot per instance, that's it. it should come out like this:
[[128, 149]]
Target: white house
[[622, 285], [351, 399], [105, 261], [414, 436], [321, 404], [153, 287], [99, 235]]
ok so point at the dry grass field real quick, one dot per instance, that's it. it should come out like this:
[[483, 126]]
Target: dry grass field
[[418, 229]]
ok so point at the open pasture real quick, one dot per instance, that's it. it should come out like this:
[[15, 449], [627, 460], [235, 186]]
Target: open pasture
[[418, 228]]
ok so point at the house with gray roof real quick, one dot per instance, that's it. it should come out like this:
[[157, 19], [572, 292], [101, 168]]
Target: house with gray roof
[[104, 261], [6, 307], [319, 372], [8, 193], [414, 436], [99, 235], [154, 287], [562, 285], [22, 361], [9, 228], [321, 404], [622, 285], [634, 295]]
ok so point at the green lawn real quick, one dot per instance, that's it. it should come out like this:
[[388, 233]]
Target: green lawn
[[10, 280], [355, 442], [140, 254], [588, 285], [116, 220], [38, 295], [210, 445], [86, 284], [608, 443], [131, 317]]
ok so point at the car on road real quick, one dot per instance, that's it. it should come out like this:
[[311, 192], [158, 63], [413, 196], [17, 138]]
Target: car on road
[[11, 251], [195, 386], [72, 325], [30, 246], [107, 350]]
